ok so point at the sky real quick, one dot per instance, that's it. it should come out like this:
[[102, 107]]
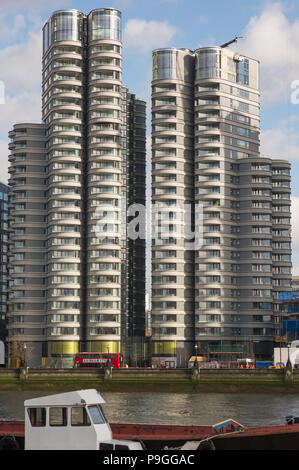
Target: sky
[[269, 31]]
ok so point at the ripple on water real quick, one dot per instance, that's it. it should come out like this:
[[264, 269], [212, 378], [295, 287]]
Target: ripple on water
[[178, 408]]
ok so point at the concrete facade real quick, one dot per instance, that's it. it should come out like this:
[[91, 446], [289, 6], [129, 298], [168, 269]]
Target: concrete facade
[[87, 142], [220, 297]]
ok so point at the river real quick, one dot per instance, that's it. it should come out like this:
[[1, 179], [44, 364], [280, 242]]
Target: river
[[178, 408]]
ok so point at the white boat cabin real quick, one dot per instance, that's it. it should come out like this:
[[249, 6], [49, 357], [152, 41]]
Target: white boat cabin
[[66, 421]]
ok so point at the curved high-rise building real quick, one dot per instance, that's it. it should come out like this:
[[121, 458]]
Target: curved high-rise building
[[172, 191], [63, 115], [104, 179], [242, 257], [91, 137], [226, 133]]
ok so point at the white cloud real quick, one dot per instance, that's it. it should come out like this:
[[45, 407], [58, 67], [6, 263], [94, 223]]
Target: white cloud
[[21, 75], [21, 65], [146, 35], [273, 39], [283, 140], [24, 107], [4, 152], [20, 71], [21, 108], [11, 27]]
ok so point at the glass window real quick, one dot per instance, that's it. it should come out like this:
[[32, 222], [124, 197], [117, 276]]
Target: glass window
[[164, 64], [208, 63], [46, 38], [79, 416], [96, 414], [37, 416], [105, 24], [106, 446], [65, 26], [243, 72], [58, 416]]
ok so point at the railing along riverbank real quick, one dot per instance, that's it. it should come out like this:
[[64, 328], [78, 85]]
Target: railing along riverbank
[[147, 379]]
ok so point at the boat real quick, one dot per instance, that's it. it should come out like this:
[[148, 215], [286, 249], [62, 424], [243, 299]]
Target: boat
[[75, 420], [65, 421]]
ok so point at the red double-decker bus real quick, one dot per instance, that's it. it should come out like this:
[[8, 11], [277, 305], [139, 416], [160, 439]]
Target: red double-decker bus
[[88, 359]]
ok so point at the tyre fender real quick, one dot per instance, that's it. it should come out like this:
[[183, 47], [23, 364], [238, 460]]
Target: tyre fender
[[9, 443]]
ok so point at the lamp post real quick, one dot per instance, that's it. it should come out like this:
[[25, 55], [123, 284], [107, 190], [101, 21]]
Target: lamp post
[[25, 347], [108, 360], [289, 365], [280, 333], [195, 361]]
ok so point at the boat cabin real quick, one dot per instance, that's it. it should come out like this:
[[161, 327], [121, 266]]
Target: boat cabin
[[66, 421]]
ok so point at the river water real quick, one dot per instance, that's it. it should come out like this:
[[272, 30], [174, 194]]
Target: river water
[[178, 408]]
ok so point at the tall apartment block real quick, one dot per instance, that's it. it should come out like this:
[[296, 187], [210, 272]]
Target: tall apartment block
[[219, 297], [73, 178], [3, 257]]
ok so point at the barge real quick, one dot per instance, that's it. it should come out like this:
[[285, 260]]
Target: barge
[[49, 425]]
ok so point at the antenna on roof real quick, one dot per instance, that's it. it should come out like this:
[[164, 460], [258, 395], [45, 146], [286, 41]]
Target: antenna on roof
[[233, 40]]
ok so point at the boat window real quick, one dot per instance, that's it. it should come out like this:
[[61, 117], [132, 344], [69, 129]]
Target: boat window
[[105, 446], [37, 416], [79, 416], [58, 416], [96, 414], [121, 447]]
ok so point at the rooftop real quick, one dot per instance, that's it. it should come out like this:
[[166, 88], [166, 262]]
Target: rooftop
[[78, 397]]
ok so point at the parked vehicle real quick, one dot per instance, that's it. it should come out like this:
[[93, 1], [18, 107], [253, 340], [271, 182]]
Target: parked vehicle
[[198, 359], [282, 355], [264, 364], [205, 364], [97, 359], [245, 363], [278, 365]]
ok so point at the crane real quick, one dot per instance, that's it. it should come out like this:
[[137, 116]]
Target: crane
[[230, 42]]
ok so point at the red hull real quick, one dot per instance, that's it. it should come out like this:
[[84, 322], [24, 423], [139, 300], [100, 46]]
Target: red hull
[[268, 437], [128, 431]]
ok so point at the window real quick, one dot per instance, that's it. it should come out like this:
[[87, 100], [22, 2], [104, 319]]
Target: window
[[209, 318], [58, 416], [214, 331], [96, 414], [164, 65], [79, 416], [243, 72], [37, 416]]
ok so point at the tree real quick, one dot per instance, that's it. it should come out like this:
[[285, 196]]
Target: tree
[[19, 352]]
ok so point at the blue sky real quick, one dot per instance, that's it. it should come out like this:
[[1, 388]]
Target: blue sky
[[270, 33]]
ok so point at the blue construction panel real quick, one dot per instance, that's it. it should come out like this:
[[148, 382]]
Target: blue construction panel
[[290, 325], [284, 296], [263, 364], [293, 308]]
